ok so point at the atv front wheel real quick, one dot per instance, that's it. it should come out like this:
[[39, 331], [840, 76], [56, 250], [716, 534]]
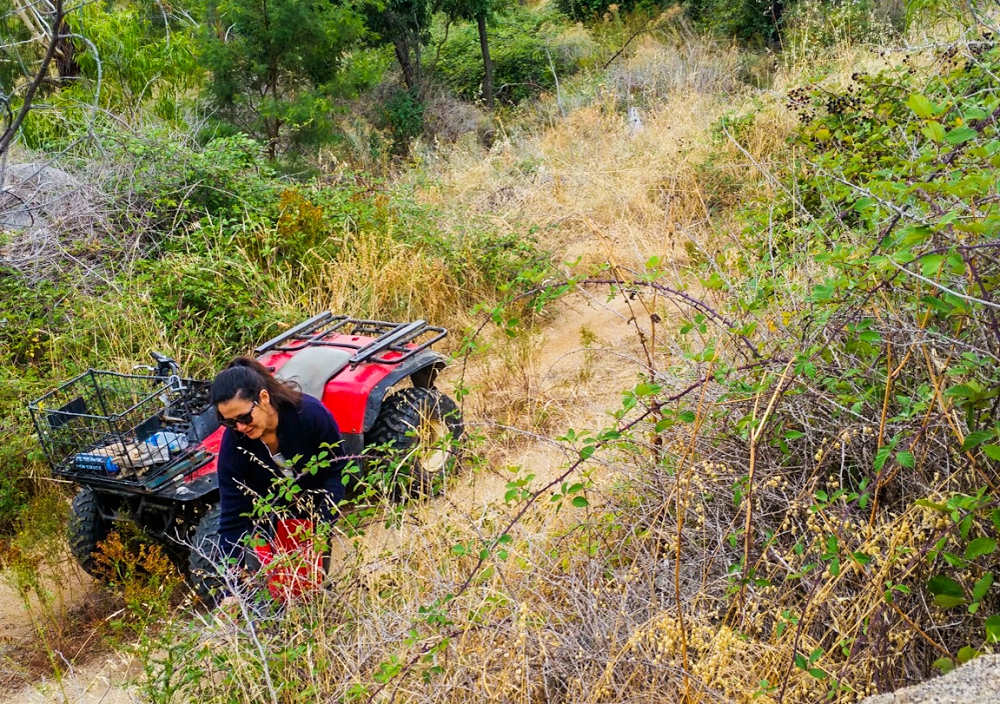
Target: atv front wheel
[[87, 528], [204, 558], [417, 433]]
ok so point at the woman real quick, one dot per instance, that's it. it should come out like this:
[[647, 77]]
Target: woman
[[273, 433]]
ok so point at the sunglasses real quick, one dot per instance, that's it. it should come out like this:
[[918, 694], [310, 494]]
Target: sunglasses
[[244, 419]]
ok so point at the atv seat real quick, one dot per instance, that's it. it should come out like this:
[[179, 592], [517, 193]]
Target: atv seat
[[312, 367]]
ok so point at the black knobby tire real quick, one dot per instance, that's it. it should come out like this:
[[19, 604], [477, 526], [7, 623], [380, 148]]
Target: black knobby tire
[[86, 529], [204, 558], [417, 432]]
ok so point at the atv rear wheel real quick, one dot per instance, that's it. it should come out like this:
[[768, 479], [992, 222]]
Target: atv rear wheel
[[204, 558], [417, 433], [87, 528]]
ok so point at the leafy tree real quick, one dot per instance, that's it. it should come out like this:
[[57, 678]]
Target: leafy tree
[[524, 52], [479, 11], [138, 53], [276, 63], [405, 24]]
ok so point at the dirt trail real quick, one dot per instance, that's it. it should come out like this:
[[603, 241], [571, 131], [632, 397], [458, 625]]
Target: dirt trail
[[568, 374], [44, 628]]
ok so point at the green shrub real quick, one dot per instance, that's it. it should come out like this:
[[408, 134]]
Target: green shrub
[[752, 22], [523, 53], [593, 10], [402, 114], [218, 299], [174, 182], [869, 277]]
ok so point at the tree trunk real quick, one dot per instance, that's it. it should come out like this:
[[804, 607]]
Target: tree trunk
[[484, 43], [403, 57]]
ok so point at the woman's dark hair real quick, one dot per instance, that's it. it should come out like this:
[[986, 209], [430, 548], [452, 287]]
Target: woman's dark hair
[[246, 377]]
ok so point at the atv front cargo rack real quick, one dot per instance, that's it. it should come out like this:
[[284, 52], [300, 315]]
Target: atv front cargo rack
[[404, 340], [124, 430]]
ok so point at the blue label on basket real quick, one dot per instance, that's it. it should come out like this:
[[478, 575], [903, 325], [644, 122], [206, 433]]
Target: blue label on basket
[[86, 462]]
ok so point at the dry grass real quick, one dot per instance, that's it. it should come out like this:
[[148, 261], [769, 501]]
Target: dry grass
[[597, 187], [379, 277]]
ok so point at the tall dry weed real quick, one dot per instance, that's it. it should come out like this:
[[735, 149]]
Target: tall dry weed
[[595, 184]]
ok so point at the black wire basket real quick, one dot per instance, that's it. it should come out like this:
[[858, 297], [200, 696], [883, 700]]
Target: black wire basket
[[122, 426]]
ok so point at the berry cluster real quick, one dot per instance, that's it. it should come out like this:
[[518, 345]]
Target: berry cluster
[[979, 48], [802, 104], [799, 97], [839, 104]]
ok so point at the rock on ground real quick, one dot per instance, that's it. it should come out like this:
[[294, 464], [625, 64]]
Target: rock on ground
[[976, 682]]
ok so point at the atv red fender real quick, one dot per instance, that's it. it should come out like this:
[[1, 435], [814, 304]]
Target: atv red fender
[[353, 393]]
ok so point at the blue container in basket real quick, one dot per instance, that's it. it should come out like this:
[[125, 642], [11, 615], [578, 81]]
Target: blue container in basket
[[98, 464]]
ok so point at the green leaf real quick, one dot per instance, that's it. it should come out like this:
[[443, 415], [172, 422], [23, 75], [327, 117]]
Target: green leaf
[[954, 560], [881, 456], [458, 549], [920, 105], [967, 653], [948, 602], [861, 558], [960, 135], [983, 585], [942, 585], [931, 264], [714, 282], [931, 504], [977, 438], [580, 502], [905, 459], [934, 131], [946, 665], [980, 546], [993, 629], [821, 293], [647, 389], [992, 451]]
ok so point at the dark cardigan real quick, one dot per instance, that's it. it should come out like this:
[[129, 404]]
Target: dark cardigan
[[246, 470]]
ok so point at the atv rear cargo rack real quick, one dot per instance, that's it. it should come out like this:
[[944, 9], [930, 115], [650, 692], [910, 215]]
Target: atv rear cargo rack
[[124, 430], [404, 340]]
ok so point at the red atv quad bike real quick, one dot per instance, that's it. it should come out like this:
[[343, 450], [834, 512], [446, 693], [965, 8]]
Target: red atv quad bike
[[143, 447]]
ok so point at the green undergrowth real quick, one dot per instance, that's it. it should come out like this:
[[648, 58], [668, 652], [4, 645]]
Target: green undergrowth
[[865, 380]]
